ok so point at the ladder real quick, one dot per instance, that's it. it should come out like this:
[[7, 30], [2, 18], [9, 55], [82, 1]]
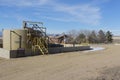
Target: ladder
[[40, 44]]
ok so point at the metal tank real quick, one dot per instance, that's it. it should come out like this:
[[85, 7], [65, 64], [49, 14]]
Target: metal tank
[[14, 39]]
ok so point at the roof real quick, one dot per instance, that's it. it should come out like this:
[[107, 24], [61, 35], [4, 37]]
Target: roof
[[61, 36]]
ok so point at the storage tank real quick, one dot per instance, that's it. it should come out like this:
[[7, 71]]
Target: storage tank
[[14, 39]]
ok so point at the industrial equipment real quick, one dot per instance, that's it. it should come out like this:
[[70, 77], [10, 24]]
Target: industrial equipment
[[32, 40], [37, 39]]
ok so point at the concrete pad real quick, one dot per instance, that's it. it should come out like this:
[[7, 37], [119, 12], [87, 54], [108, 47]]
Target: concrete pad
[[4, 53]]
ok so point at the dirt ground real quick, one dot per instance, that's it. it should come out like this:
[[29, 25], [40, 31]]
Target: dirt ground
[[81, 65]]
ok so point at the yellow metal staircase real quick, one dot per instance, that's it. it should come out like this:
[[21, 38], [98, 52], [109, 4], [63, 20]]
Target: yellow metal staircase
[[40, 44]]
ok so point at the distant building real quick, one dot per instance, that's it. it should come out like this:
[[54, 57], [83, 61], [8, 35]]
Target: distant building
[[59, 39]]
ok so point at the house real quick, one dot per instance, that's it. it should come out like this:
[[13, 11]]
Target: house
[[58, 39]]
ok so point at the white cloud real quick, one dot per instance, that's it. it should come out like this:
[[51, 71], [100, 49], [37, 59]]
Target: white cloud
[[85, 13], [60, 19], [24, 3], [96, 2]]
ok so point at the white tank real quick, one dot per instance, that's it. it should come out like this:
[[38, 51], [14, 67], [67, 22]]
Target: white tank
[[12, 40]]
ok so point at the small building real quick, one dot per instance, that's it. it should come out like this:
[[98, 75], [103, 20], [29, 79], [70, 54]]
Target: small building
[[59, 39]]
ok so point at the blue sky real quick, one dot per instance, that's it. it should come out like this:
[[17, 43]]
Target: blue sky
[[62, 15]]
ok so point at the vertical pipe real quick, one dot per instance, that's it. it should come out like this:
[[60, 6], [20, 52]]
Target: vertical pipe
[[20, 37]]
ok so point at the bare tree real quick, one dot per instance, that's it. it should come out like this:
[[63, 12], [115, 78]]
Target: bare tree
[[101, 36], [72, 36], [81, 38], [92, 37]]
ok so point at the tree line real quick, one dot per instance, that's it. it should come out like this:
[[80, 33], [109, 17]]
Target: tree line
[[87, 36]]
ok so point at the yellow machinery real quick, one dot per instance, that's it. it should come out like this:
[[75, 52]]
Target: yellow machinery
[[37, 39]]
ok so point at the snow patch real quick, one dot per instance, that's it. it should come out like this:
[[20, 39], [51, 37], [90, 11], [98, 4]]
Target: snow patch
[[95, 49]]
